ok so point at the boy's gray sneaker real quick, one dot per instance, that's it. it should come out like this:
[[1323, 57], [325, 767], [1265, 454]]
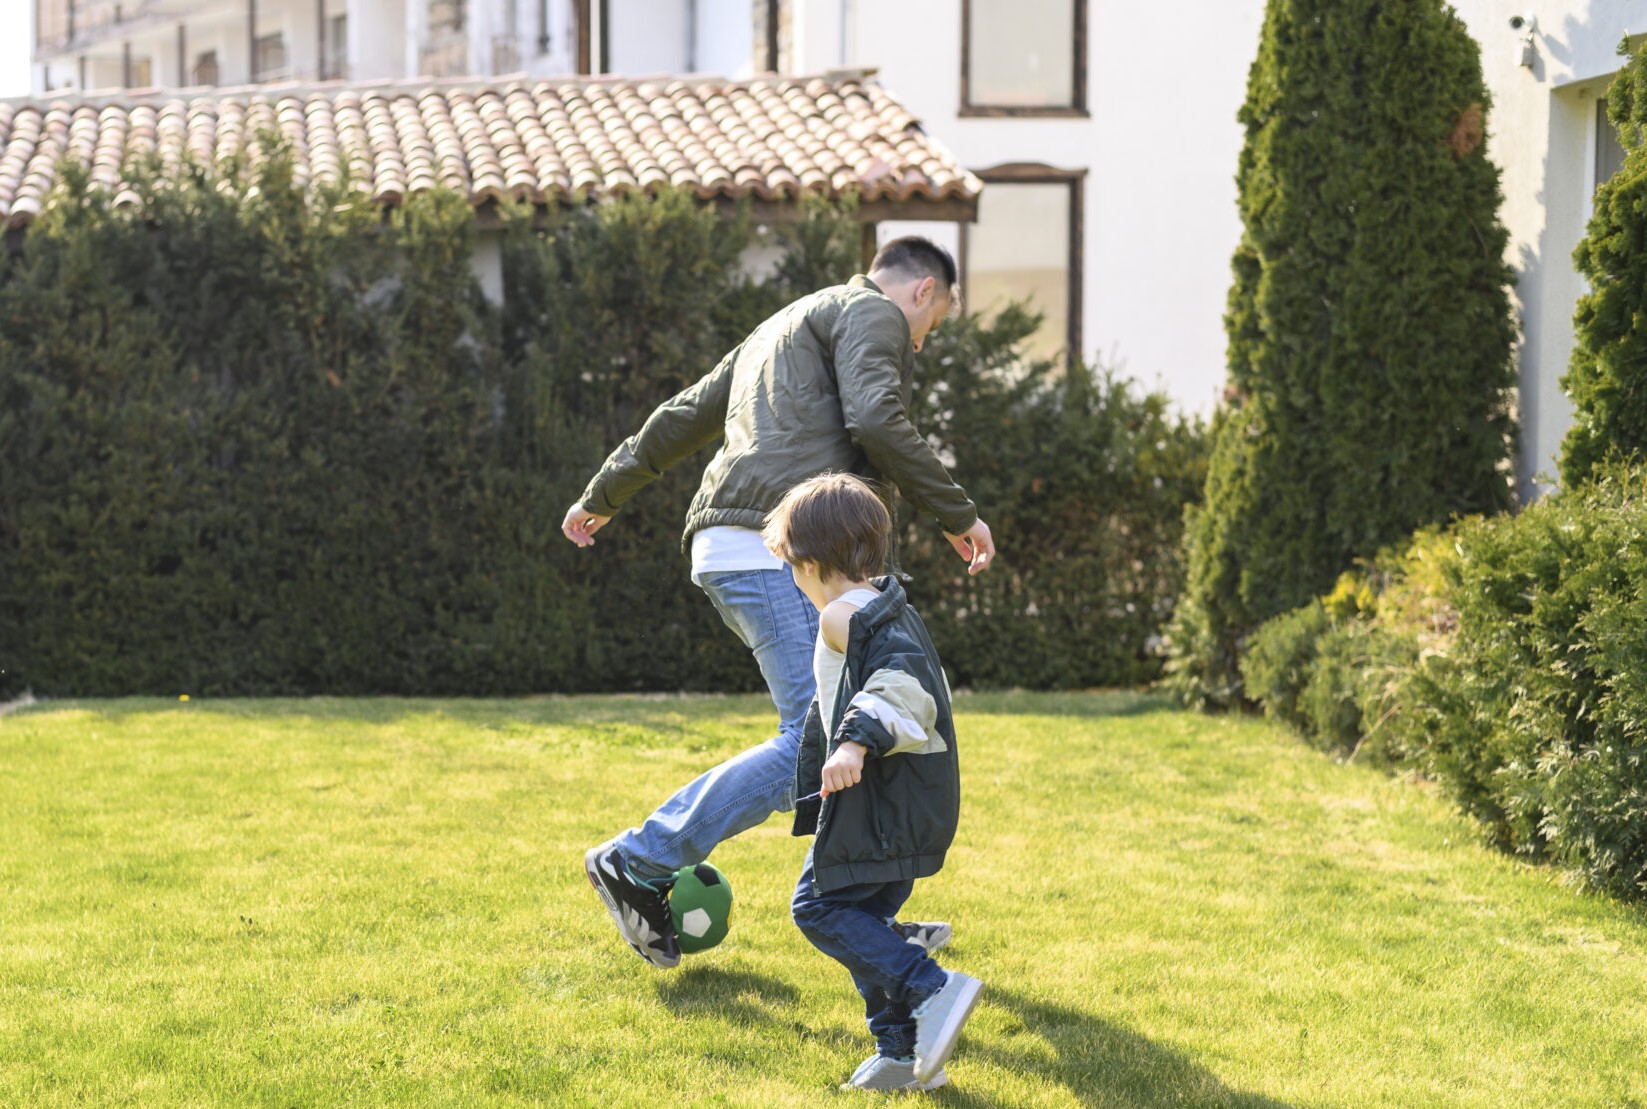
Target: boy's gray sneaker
[[639, 909], [938, 1022], [881, 1073], [929, 934]]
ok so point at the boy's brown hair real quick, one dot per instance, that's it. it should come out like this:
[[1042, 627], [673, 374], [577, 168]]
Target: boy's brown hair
[[834, 521]]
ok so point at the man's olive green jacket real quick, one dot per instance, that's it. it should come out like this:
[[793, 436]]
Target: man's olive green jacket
[[822, 386]]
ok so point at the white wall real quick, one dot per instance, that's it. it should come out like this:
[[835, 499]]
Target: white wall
[[726, 38], [647, 37], [379, 45], [1541, 132], [1163, 85]]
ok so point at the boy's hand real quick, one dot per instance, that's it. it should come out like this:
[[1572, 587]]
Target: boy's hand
[[844, 769]]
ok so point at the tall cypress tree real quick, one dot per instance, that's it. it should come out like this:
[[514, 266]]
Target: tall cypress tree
[[1369, 321], [1607, 376]]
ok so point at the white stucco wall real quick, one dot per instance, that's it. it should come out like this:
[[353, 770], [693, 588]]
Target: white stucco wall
[[648, 37], [1541, 132], [726, 38], [382, 38]]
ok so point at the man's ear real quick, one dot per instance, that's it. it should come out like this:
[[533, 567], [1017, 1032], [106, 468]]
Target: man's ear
[[925, 291]]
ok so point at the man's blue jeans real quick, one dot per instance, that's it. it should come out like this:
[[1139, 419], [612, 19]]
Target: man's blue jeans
[[853, 926], [767, 610]]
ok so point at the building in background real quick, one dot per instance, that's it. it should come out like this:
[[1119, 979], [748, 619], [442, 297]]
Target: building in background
[[103, 44], [1073, 111]]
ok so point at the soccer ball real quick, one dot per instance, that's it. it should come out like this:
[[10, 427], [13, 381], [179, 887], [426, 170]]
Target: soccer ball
[[701, 905]]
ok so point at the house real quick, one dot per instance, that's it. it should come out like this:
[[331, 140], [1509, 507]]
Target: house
[[765, 142], [1104, 130], [1120, 232]]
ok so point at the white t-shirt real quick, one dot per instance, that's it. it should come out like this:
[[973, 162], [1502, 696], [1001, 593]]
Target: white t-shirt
[[728, 548], [827, 662]]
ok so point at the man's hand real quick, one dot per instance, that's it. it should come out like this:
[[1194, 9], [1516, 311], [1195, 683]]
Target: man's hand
[[581, 525], [844, 769], [975, 545]]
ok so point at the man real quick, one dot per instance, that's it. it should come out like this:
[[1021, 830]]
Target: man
[[822, 386]]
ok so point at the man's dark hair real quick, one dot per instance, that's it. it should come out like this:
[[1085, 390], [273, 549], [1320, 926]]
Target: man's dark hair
[[916, 257]]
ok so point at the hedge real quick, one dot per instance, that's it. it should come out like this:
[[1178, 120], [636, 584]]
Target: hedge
[[1515, 674], [1608, 367], [258, 442]]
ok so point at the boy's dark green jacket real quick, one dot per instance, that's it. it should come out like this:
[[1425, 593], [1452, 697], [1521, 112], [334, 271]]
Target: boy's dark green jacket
[[899, 820], [822, 386]]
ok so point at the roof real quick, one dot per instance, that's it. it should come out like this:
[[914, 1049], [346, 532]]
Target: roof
[[540, 140]]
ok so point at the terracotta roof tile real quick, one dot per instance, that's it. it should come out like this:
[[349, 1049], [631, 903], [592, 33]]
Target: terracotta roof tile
[[535, 140]]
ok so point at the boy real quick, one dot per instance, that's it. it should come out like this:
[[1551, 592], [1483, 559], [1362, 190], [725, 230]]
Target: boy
[[878, 756]]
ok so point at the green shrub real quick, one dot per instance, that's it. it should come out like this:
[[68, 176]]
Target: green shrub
[[1083, 479], [1608, 368], [1369, 321], [1280, 659], [1505, 658], [1544, 737], [256, 443]]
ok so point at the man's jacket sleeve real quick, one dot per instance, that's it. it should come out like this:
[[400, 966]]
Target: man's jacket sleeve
[[868, 349], [682, 425]]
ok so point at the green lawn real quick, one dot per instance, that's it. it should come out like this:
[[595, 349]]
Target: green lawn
[[382, 903]]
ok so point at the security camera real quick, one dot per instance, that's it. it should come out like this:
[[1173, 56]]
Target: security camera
[[1528, 23]]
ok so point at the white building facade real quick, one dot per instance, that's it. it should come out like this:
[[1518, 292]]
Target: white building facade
[[1548, 64]]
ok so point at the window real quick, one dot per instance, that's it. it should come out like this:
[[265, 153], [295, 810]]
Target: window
[[53, 23], [1024, 57], [336, 62], [139, 73], [1026, 245], [269, 57], [1609, 152], [205, 68]]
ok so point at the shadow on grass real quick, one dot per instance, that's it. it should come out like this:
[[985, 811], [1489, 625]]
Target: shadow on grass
[[740, 996], [1097, 1062]]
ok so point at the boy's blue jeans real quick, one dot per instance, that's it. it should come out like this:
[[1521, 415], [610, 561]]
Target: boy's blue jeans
[[853, 926], [768, 611]]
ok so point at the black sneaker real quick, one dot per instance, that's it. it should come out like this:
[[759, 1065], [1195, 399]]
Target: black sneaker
[[928, 934], [639, 909]]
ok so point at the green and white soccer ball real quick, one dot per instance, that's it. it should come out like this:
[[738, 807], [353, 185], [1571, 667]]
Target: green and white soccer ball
[[701, 905]]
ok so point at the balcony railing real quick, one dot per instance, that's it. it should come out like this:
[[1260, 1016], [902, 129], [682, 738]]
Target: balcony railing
[[64, 22]]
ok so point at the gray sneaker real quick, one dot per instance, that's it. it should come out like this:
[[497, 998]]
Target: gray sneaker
[[938, 1022], [881, 1073], [929, 934]]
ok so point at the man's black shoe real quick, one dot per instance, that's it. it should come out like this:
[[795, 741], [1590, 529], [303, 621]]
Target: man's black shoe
[[639, 909]]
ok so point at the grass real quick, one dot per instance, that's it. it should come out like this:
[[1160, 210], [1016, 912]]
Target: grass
[[381, 902]]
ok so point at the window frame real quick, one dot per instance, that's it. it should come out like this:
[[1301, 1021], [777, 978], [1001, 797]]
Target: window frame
[[1039, 173], [1076, 109], [1604, 131], [593, 42], [198, 71], [270, 42]]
